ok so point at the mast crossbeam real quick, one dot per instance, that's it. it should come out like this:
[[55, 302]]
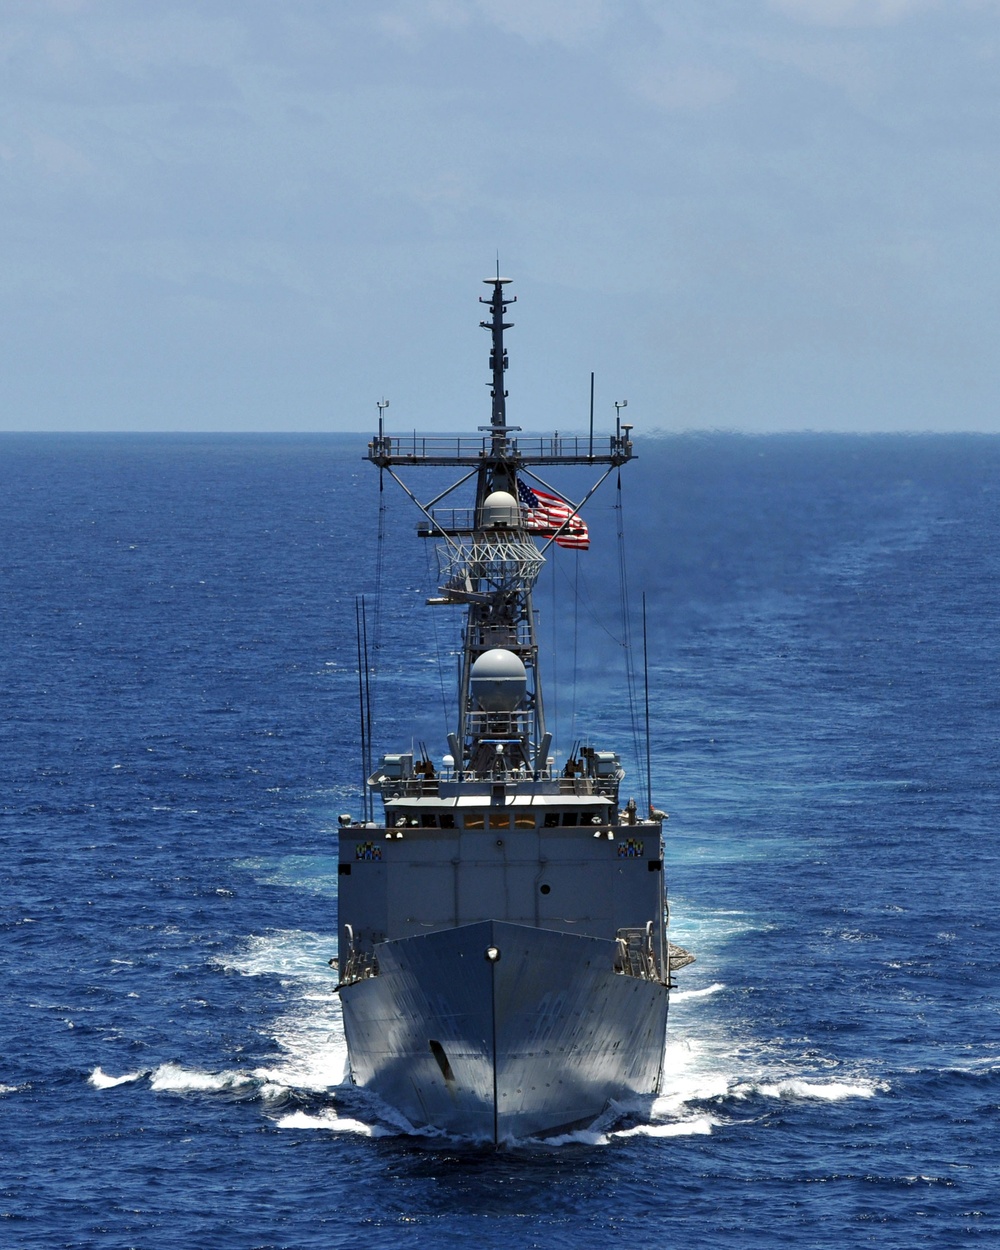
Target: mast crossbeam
[[456, 451], [489, 557]]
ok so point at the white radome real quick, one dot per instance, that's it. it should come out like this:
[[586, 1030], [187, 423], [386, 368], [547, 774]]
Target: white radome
[[500, 508], [498, 682]]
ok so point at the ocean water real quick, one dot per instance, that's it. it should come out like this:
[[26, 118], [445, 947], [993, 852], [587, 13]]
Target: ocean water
[[179, 732]]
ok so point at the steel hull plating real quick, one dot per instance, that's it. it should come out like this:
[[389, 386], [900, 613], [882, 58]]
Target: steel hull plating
[[535, 1042]]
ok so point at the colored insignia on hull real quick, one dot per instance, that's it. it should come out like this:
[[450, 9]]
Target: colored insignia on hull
[[367, 850], [631, 848]]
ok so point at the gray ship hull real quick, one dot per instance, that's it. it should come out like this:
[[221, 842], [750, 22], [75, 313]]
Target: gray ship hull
[[532, 1043]]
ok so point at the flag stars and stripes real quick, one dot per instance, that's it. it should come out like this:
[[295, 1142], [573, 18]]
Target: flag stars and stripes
[[547, 512]]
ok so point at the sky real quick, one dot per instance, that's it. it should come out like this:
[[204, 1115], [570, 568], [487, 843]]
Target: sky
[[266, 215]]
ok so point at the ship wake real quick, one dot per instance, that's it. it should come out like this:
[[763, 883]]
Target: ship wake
[[711, 1078]]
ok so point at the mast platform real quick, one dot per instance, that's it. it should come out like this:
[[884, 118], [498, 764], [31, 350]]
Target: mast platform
[[497, 448]]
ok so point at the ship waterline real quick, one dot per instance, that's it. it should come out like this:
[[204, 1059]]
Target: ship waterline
[[534, 1031]]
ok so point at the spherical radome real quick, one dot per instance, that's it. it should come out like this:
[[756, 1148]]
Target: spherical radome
[[498, 681], [500, 508]]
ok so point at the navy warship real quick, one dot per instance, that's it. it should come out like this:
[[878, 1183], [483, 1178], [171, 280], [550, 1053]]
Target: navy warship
[[504, 965]]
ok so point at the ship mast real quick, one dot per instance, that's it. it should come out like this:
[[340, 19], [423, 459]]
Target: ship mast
[[500, 616], [498, 353], [489, 562]]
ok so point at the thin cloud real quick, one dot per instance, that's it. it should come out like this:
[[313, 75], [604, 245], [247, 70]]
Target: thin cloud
[[853, 12], [569, 22], [684, 88], [58, 157], [844, 65]]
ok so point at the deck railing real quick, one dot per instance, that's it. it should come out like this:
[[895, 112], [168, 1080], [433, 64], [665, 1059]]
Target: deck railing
[[635, 955], [529, 449]]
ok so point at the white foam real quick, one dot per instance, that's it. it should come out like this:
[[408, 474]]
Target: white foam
[[272, 1089], [706, 930], [700, 1125], [172, 1078], [332, 1123], [311, 1037], [7, 1089], [686, 996], [310, 1034], [795, 1088], [286, 952], [101, 1080], [704, 1062], [987, 1065], [682, 1088], [315, 1055], [582, 1137]]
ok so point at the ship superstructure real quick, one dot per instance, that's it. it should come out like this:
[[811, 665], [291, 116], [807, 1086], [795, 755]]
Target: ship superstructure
[[504, 961]]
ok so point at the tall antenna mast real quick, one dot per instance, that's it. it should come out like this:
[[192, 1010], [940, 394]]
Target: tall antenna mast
[[498, 353]]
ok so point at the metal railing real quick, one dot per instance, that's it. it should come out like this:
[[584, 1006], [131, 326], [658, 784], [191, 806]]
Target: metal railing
[[411, 788], [635, 955], [463, 521], [532, 449], [360, 965], [579, 787]]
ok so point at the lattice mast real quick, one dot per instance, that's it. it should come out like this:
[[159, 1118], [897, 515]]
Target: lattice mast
[[504, 569], [489, 562]]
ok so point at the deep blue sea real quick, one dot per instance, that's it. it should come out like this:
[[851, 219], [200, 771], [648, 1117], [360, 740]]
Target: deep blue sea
[[179, 678]]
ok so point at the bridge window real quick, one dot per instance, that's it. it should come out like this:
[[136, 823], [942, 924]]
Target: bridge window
[[475, 820], [499, 820], [524, 820]]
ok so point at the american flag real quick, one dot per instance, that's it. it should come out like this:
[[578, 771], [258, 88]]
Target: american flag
[[547, 512]]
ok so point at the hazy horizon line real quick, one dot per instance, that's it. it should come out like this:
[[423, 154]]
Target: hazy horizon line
[[564, 432]]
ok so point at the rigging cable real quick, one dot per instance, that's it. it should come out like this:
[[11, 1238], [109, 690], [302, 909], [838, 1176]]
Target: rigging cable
[[576, 640], [554, 683], [373, 659], [645, 688], [368, 703], [585, 600], [376, 664], [438, 651], [380, 545], [626, 625], [361, 710]]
